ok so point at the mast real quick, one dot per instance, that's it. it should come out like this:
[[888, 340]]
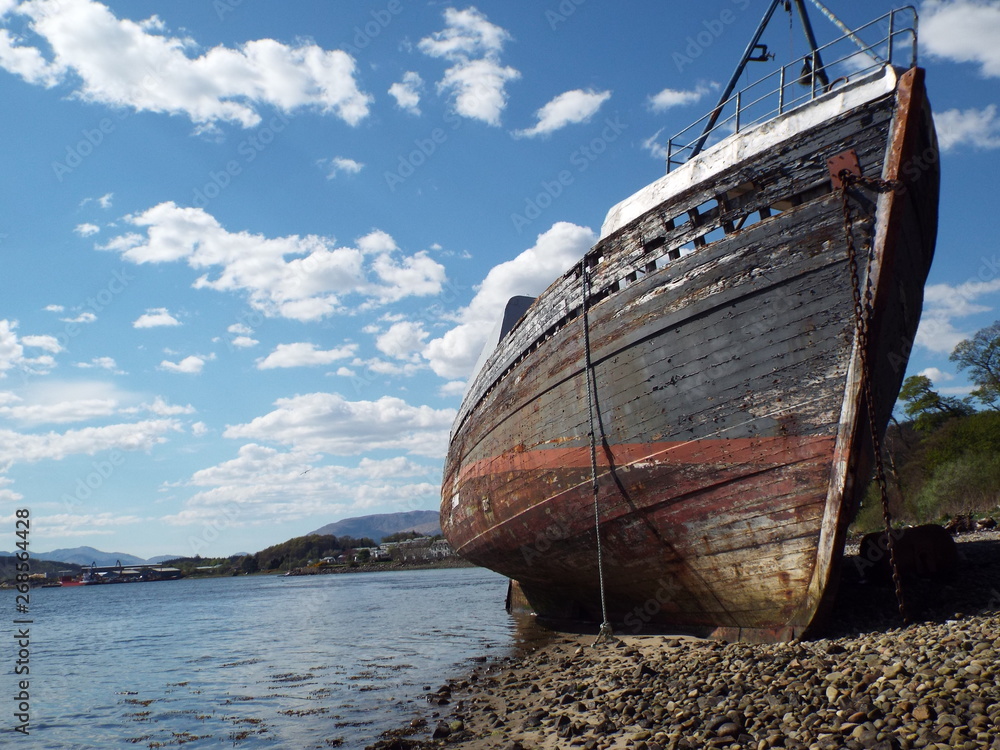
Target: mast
[[815, 67], [747, 55], [813, 70]]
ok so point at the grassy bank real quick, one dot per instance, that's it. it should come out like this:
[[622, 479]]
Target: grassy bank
[[944, 470]]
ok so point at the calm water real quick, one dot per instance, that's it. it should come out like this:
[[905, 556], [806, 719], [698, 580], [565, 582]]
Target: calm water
[[251, 662]]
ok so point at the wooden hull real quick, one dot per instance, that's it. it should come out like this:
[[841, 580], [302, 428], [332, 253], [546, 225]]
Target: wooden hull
[[732, 443]]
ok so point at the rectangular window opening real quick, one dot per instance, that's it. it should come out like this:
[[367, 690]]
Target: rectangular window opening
[[685, 249]]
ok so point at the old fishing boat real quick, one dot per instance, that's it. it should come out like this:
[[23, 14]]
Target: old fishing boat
[[678, 431]]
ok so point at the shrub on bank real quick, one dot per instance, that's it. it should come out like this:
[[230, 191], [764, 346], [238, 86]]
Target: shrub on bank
[[936, 475]]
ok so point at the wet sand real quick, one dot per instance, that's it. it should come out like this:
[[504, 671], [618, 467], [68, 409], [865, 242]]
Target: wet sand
[[864, 682]]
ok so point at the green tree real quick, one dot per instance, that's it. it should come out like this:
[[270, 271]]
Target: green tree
[[401, 536], [969, 483], [979, 433], [926, 407], [981, 356]]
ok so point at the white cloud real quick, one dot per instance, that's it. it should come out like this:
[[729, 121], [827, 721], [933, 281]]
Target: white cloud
[[161, 408], [105, 201], [668, 98], [191, 365], [18, 448], [155, 317], [302, 354], [477, 85], [84, 317], [403, 340], [48, 343], [938, 334], [26, 62], [64, 401], [340, 164], [302, 278], [568, 108], [943, 305], [936, 375], [86, 230], [54, 308], [653, 146], [263, 483], [122, 63], [963, 31], [86, 526], [407, 92], [11, 351], [12, 354], [8, 495], [477, 89], [415, 275], [103, 363], [395, 369], [60, 413], [468, 33], [328, 423], [454, 355], [452, 389], [243, 339], [979, 128], [376, 242]]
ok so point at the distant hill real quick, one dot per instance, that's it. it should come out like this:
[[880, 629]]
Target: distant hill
[[8, 567], [88, 555], [160, 559], [381, 525]]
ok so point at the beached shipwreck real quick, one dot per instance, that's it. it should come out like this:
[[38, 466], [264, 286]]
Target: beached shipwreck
[[676, 433]]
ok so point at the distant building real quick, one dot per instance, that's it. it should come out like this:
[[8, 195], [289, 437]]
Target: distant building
[[421, 549], [368, 554], [441, 549]]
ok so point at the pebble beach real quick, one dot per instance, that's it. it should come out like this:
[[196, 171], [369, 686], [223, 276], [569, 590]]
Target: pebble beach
[[866, 681]]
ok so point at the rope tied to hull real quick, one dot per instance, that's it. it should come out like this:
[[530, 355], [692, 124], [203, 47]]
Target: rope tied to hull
[[606, 632], [862, 319]]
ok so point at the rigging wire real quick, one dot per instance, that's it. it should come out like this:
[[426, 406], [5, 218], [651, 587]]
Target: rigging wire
[[606, 632]]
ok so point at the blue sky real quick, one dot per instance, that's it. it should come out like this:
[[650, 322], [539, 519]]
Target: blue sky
[[251, 250]]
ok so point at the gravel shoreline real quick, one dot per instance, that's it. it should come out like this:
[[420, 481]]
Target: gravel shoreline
[[866, 683]]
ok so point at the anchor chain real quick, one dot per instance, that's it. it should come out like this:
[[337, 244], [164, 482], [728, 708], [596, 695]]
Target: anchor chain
[[605, 632], [862, 318]]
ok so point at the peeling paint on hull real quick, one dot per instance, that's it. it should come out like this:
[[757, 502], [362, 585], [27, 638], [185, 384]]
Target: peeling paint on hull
[[727, 387]]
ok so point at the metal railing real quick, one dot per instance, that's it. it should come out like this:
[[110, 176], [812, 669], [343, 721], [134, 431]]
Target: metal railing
[[846, 58]]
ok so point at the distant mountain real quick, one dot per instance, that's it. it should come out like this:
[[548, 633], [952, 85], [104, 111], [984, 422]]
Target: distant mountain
[[8, 567], [378, 526], [161, 558], [88, 555]]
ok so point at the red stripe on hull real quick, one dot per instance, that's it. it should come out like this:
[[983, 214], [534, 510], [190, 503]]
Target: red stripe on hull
[[690, 518], [757, 450]]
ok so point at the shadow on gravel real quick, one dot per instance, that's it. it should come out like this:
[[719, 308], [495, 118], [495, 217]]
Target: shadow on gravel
[[973, 589]]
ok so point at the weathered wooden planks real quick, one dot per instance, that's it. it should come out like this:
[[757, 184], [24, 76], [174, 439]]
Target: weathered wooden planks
[[724, 379]]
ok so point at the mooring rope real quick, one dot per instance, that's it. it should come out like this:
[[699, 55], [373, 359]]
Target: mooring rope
[[862, 318], [606, 631]]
